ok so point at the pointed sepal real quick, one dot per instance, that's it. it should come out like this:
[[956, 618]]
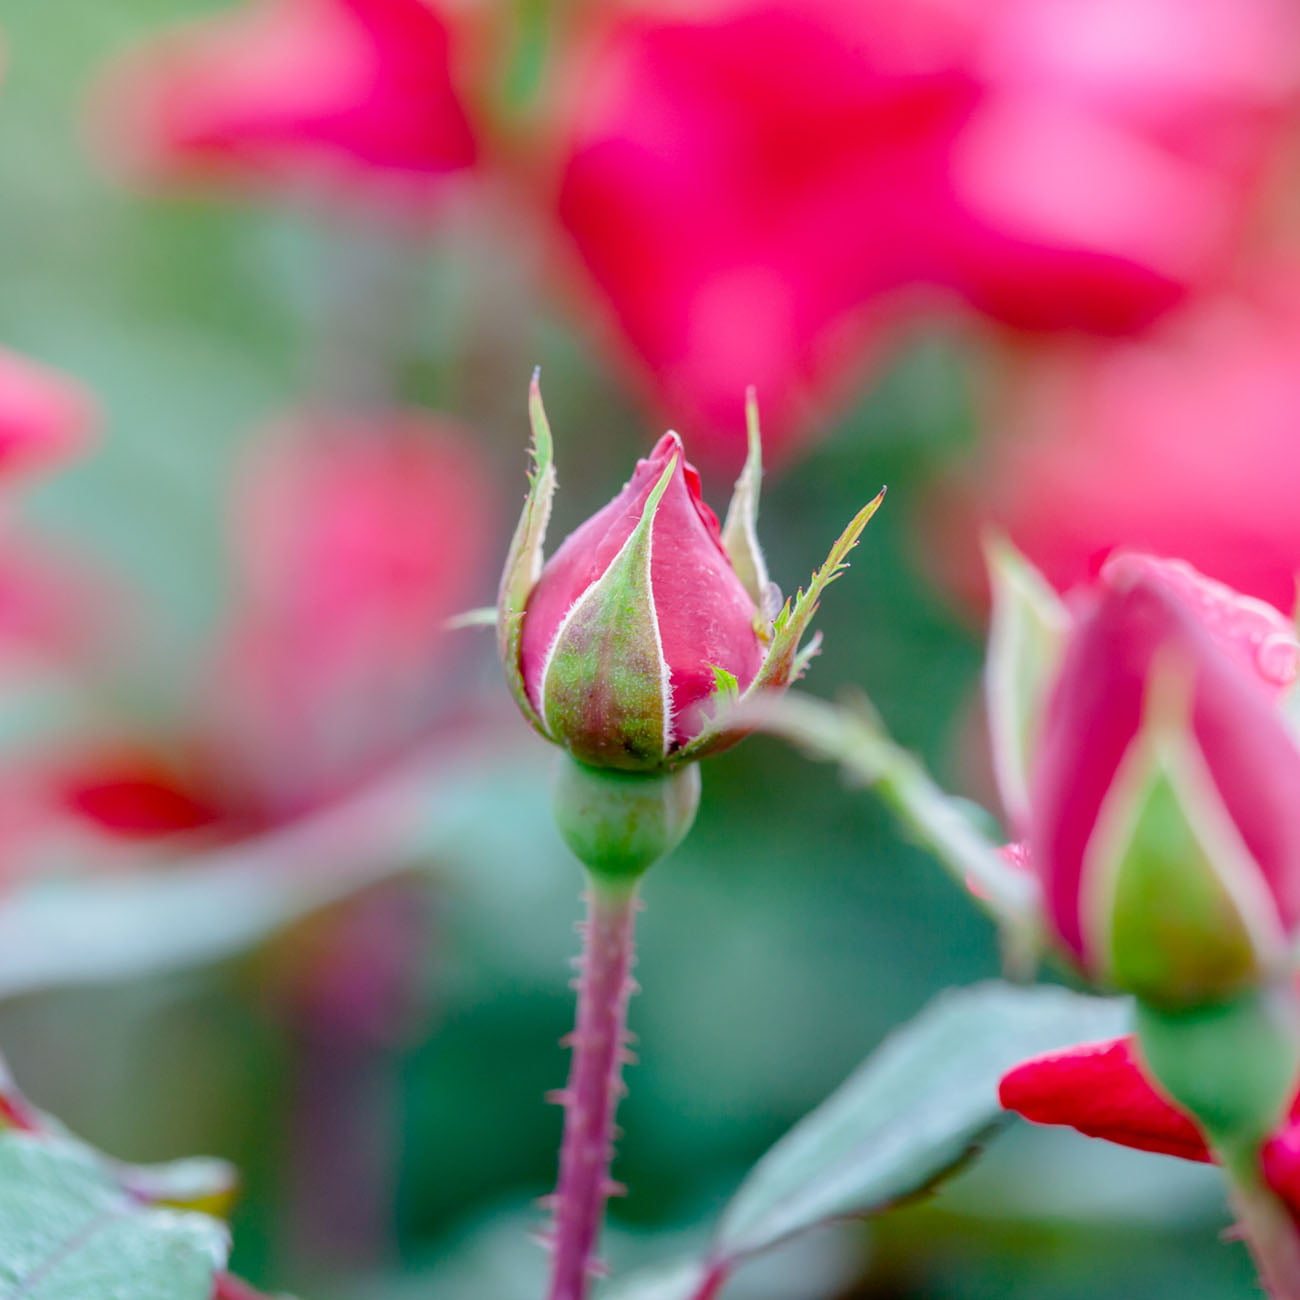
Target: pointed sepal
[[1027, 636], [786, 659], [740, 529], [524, 560], [605, 686]]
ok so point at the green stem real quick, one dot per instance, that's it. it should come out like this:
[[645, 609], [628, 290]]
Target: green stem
[[599, 1043], [856, 739], [618, 825], [1231, 1066], [1266, 1223]]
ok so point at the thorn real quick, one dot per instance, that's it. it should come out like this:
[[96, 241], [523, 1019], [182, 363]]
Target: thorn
[[570, 1040], [612, 1187], [559, 1097], [628, 1058], [597, 1268], [548, 1202]]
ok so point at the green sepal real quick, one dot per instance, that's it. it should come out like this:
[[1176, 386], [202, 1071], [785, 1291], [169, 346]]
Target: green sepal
[[786, 660], [605, 689], [524, 560], [619, 824], [740, 529], [1231, 1065], [1027, 638], [725, 685], [1173, 906]]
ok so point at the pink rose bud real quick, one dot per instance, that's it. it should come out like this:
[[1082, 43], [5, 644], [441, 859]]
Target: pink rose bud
[[650, 617], [1163, 820]]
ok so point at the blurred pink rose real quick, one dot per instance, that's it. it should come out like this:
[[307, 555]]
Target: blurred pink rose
[[356, 537], [286, 92], [1116, 154], [741, 187], [1186, 443], [45, 417], [748, 184], [55, 611]]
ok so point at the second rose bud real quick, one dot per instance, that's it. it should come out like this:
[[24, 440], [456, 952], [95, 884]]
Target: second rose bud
[[1153, 775]]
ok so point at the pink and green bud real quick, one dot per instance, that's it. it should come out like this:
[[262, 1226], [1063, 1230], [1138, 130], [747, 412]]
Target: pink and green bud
[[1163, 814], [631, 644]]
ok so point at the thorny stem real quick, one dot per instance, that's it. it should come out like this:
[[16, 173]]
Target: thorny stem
[[1270, 1233], [595, 1085]]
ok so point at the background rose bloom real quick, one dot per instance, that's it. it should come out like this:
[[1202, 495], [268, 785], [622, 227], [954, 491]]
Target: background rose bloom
[[749, 187], [1183, 442], [332, 93]]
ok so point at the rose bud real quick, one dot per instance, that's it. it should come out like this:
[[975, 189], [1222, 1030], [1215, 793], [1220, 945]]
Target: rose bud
[[1163, 818], [650, 616]]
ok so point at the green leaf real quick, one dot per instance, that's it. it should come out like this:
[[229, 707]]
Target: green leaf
[[680, 1281], [197, 1183], [123, 920], [70, 1231], [918, 1108]]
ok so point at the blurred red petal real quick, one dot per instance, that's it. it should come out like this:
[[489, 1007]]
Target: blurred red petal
[[357, 537], [737, 186], [1099, 1089], [1186, 443], [284, 91], [136, 797]]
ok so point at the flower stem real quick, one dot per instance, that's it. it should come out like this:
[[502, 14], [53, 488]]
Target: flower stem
[[1269, 1230], [595, 1085]]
